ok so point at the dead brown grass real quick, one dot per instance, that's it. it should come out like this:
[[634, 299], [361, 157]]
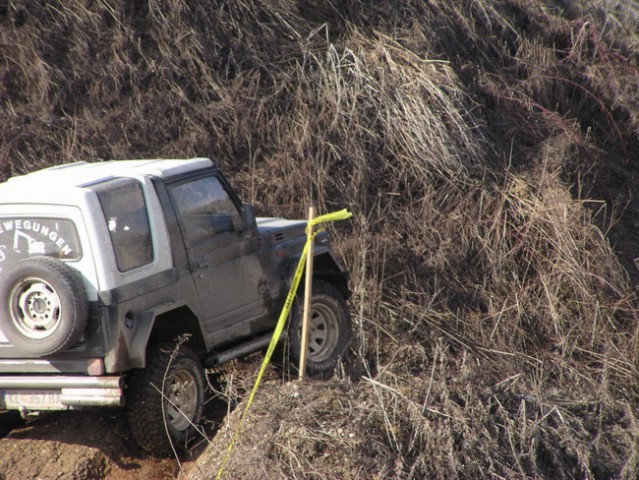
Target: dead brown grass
[[487, 151]]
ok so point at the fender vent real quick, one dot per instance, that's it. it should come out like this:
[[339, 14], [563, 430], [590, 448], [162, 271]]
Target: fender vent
[[278, 237]]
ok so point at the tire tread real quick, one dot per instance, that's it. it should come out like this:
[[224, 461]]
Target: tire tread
[[144, 401]]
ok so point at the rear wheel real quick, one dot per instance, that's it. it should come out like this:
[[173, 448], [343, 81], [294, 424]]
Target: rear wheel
[[165, 399], [329, 329]]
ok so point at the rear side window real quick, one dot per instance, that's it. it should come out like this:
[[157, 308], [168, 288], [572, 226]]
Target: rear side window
[[124, 208], [23, 237]]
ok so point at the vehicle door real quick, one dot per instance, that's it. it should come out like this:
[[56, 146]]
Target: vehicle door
[[226, 270]]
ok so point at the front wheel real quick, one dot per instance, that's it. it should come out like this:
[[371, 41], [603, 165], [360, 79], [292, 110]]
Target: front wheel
[[329, 329], [165, 399]]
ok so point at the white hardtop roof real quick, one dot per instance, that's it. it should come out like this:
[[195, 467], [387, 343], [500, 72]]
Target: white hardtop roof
[[67, 177]]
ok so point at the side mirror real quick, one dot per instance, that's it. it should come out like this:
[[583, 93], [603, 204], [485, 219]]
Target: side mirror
[[248, 218], [222, 223]]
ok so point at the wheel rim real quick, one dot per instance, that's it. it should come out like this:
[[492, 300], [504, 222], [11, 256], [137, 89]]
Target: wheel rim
[[35, 307], [182, 400], [323, 332]]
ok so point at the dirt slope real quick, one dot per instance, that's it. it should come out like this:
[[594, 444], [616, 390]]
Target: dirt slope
[[488, 150]]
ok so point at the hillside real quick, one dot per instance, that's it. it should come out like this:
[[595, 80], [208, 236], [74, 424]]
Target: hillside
[[488, 149]]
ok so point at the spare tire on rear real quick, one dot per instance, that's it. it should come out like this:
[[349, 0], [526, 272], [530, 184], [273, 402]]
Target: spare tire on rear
[[43, 305]]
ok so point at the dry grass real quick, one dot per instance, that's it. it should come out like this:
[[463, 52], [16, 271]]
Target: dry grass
[[487, 151]]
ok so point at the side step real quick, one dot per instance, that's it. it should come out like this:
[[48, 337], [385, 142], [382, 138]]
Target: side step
[[238, 351]]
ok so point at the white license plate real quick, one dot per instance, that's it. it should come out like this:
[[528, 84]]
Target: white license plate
[[31, 399]]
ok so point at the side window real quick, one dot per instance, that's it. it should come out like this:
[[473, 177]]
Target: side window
[[205, 209], [124, 208]]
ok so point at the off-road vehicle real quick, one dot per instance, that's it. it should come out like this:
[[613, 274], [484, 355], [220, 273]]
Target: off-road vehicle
[[104, 265]]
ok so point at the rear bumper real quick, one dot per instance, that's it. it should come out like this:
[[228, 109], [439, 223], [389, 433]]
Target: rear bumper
[[35, 366], [53, 392]]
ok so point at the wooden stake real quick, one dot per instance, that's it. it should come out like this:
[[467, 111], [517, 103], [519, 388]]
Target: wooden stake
[[308, 291]]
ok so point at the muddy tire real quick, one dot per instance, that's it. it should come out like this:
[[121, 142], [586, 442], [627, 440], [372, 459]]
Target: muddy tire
[[46, 308], [329, 329], [162, 422]]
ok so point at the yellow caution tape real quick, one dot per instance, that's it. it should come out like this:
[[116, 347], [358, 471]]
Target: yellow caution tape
[[329, 217]]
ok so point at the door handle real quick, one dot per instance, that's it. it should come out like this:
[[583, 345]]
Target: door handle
[[255, 243], [252, 244]]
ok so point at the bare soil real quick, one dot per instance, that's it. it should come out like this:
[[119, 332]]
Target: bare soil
[[95, 444], [80, 445]]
